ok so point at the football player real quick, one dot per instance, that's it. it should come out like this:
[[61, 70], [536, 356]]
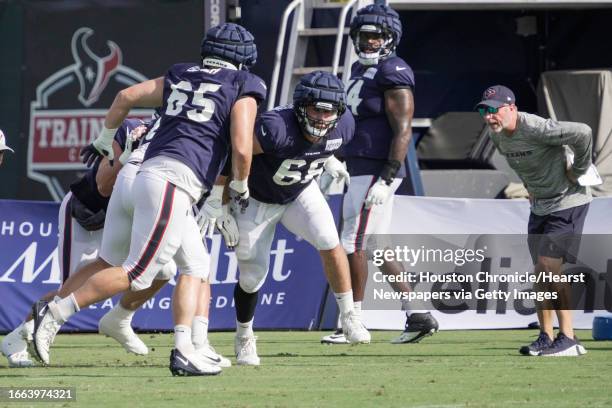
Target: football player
[[207, 108], [114, 250], [82, 218], [80, 246], [291, 147], [380, 97]]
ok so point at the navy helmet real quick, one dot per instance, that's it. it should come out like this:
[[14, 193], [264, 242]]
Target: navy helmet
[[380, 19], [231, 43], [324, 91]]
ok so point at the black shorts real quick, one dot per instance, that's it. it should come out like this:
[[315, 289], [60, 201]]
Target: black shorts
[[556, 235]]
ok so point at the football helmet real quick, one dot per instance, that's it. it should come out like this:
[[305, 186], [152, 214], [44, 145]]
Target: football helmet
[[229, 43], [150, 123], [380, 19], [324, 92]]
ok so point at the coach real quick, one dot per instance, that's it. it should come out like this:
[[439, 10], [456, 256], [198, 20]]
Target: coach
[[537, 149]]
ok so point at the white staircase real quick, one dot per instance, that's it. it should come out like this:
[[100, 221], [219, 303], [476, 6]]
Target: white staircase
[[300, 34]]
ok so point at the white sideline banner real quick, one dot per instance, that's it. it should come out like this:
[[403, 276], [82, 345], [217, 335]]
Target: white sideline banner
[[433, 215]]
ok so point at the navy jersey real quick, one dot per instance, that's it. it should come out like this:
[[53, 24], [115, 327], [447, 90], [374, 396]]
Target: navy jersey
[[142, 145], [86, 188], [290, 162], [366, 100], [195, 125]]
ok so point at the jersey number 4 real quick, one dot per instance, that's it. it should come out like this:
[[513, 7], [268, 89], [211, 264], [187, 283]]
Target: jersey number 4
[[292, 171], [180, 94], [352, 97]]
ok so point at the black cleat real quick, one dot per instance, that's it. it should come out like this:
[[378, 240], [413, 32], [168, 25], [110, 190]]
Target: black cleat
[[418, 326]]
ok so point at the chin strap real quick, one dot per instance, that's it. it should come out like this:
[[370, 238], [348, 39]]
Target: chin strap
[[367, 61]]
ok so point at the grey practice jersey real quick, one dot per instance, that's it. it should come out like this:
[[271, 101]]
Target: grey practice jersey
[[536, 152]]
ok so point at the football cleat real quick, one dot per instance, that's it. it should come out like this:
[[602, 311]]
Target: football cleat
[[245, 348], [211, 355], [20, 359], [122, 332], [418, 326], [337, 337], [563, 346], [192, 364], [45, 329], [353, 328], [15, 348], [536, 347]]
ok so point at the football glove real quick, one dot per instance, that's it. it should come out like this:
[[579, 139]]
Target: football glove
[[325, 182], [337, 170], [102, 146], [378, 193], [210, 211], [240, 193], [127, 151], [228, 227]]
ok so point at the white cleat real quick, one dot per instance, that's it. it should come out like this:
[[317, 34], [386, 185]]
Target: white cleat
[[20, 360], [45, 329], [354, 330], [335, 338], [123, 333], [246, 350], [212, 356], [15, 348], [191, 364]]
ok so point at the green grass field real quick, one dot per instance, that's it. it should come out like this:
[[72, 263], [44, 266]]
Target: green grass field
[[450, 369]]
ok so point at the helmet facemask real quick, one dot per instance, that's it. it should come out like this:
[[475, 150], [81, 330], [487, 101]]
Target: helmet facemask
[[318, 102], [362, 44], [318, 127], [375, 19]]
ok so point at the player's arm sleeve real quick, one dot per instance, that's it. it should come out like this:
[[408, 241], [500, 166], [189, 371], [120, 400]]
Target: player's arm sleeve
[[577, 136], [269, 132], [348, 127], [395, 74], [254, 87]]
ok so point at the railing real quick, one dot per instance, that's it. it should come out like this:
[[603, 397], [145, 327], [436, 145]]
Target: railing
[[340, 35], [496, 4], [279, 51]]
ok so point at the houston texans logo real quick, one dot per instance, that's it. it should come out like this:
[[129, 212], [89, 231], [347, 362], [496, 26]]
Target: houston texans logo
[[92, 71], [489, 93], [62, 122]]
